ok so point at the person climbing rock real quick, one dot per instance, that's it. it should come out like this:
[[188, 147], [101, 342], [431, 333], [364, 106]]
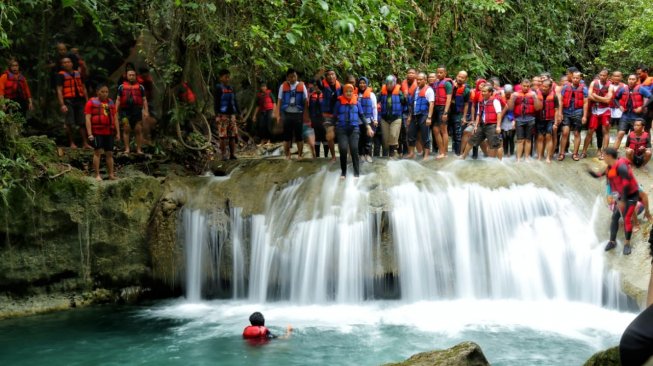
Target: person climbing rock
[[13, 86], [103, 125], [622, 182], [350, 121], [292, 111], [132, 106], [574, 113], [226, 112], [71, 94], [257, 333], [420, 118]]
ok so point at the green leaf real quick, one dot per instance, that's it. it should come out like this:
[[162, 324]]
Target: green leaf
[[324, 5], [291, 38]]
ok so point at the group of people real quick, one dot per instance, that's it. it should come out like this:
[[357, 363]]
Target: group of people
[[422, 113]]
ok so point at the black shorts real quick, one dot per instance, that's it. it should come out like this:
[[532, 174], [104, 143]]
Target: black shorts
[[438, 112], [524, 130], [488, 132], [544, 127], [103, 142], [638, 160], [574, 122], [320, 130], [293, 126], [75, 116], [626, 124], [133, 116]]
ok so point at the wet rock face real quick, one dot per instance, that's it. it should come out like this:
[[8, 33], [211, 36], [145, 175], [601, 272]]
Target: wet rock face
[[463, 354], [609, 357]]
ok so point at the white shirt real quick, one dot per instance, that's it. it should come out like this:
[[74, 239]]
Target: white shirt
[[292, 108], [596, 110], [430, 95], [615, 112]]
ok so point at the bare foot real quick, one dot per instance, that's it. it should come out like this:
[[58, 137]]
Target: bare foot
[[113, 177], [127, 151], [333, 159], [548, 161], [636, 229], [409, 156], [88, 147], [98, 178], [287, 157], [73, 146], [441, 156], [342, 177]]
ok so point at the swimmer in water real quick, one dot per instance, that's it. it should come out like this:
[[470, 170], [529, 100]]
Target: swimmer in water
[[258, 332]]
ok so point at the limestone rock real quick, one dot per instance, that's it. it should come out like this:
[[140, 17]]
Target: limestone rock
[[463, 354]]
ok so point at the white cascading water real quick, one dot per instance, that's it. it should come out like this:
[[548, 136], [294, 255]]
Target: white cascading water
[[319, 241]]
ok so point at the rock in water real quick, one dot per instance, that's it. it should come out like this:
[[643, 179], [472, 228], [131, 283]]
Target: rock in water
[[463, 354], [609, 357]]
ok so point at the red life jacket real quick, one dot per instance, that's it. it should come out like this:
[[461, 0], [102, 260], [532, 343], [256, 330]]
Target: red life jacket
[[486, 108], [602, 92], [627, 94], [16, 86], [265, 102], [255, 332], [132, 95], [524, 105], [621, 185], [73, 86], [102, 115], [439, 86], [579, 96], [187, 95], [635, 142], [548, 112]]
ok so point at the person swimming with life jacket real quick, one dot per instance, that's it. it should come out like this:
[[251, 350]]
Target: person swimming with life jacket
[[258, 333]]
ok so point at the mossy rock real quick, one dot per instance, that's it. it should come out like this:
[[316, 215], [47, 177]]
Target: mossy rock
[[463, 354], [609, 357]]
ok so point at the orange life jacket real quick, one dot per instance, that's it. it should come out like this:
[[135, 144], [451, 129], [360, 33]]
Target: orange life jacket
[[72, 87]]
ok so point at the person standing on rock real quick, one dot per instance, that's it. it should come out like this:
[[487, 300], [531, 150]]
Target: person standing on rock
[[71, 94], [393, 103], [420, 117], [349, 123], [226, 112], [367, 99], [487, 125], [574, 113], [331, 90], [131, 103], [623, 184], [13, 86], [292, 111], [525, 105], [103, 125]]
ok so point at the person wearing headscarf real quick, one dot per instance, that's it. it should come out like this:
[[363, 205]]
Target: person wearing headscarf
[[350, 119]]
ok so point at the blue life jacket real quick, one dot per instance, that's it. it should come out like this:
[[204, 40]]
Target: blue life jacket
[[421, 103], [287, 93], [348, 112], [227, 99], [329, 96], [395, 98], [366, 103]]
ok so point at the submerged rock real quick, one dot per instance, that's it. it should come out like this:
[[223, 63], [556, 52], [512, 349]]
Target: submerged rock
[[463, 354]]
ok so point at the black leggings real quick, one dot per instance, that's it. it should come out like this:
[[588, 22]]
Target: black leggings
[[629, 210], [292, 127], [509, 142], [348, 141]]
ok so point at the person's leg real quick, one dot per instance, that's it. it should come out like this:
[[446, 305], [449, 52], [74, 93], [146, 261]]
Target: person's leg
[[457, 133], [629, 213], [548, 142], [614, 228], [343, 148], [353, 144], [630, 155], [588, 138], [126, 131], [443, 146], [623, 129], [426, 138], [563, 142], [109, 159], [528, 143], [647, 157], [69, 133], [138, 137], [80, 121], [521, 136], [97, 154], [437, 143], [298, 127], [288, 130], [331, 136], [539, 140], [412, 131]]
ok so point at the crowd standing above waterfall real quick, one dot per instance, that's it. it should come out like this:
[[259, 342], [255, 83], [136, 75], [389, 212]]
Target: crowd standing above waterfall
[[408, 116]]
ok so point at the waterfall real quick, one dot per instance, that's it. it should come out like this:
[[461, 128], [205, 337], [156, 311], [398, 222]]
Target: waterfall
[[320, 240]]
